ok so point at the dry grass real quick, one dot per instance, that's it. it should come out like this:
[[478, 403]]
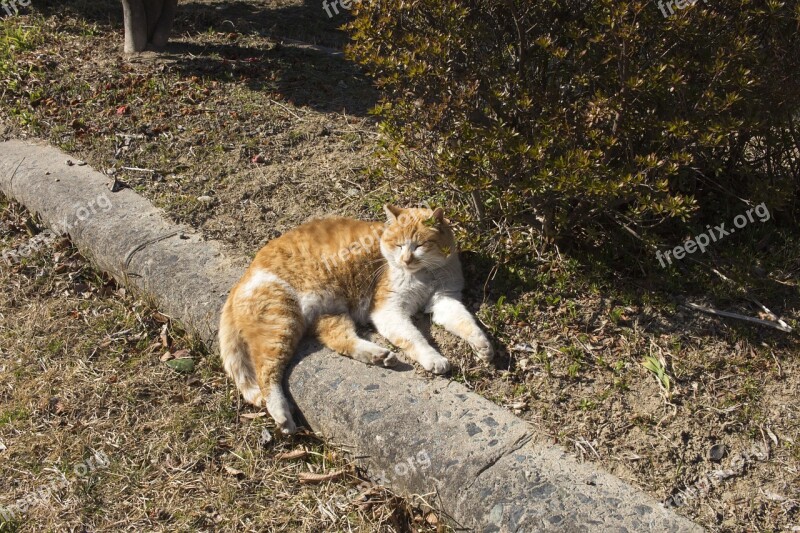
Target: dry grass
[[80, 373], [273, 136]]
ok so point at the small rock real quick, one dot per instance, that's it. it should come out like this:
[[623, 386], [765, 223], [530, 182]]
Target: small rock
[[716, 452], [205, 199], [519, 406], [233, 471]]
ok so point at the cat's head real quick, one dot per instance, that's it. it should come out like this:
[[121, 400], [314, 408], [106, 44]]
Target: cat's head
[[416, 239]]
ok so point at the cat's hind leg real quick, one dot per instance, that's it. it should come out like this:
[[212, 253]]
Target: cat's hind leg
[[338, 332]]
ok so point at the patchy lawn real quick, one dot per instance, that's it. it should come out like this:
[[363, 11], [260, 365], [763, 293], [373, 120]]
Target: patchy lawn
[[244, 135], [99, 433]]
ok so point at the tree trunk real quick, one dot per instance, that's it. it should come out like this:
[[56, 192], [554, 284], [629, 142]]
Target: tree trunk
[[148, 24]]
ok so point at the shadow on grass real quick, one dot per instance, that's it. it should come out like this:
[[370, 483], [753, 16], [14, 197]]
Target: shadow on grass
[[303, 77], [623, 282]]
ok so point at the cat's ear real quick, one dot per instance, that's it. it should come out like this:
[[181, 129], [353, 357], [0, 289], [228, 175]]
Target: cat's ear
[[392, 212], [436, 219]]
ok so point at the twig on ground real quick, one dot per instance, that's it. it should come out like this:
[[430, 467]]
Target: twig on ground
[[777, 325], [295, 115]]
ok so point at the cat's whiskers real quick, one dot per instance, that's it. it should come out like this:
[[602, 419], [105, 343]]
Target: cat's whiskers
[[375, 276]]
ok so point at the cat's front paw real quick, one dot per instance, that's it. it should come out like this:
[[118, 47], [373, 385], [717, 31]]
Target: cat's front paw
[[482, 347], [374, 354], [435, 363]]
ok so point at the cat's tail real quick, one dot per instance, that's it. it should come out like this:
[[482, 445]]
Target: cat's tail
[[236, 358], [260, 327]]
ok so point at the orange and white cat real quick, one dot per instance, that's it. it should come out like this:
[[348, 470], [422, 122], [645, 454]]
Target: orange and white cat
[[329, 274]]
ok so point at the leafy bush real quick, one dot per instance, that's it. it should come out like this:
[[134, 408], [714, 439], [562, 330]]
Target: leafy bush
[[561, 114]]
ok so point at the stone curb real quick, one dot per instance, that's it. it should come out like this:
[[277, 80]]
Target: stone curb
[[474, 460]]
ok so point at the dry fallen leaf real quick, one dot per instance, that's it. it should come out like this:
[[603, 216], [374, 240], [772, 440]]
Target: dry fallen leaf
[[167, 356], [160, 318], [182, 365], [294, 454], [56, 405], [308, 477], [252, 416], [772, 436], [164, 337]]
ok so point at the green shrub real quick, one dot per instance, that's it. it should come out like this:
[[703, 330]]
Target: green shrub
[[561, 115]]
